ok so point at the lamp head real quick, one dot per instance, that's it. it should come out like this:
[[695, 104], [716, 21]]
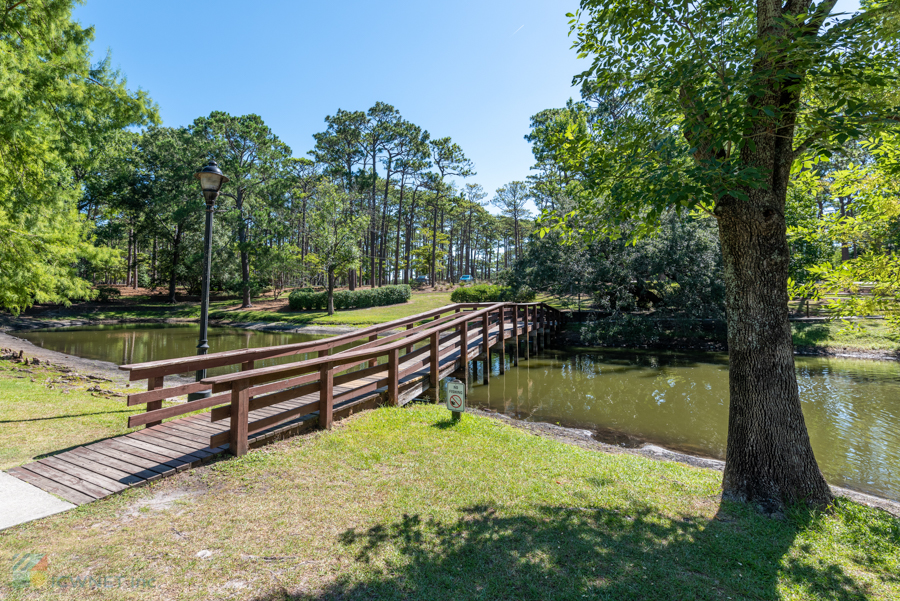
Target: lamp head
[[211, 180]]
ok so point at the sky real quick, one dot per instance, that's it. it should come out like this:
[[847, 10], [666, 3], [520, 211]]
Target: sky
[[474, 70]]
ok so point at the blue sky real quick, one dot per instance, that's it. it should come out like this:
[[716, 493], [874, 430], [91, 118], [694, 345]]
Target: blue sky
[[472, 70]]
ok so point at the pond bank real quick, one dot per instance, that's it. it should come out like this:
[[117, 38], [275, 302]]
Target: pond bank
[[570, 338], [578, 437]]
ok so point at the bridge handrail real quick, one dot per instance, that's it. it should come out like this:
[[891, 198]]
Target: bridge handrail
[[156, 392], [286, 382]]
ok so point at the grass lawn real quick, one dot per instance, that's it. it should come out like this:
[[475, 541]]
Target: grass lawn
[[418, 303], [405, 504], [863, 334], [44, 410]]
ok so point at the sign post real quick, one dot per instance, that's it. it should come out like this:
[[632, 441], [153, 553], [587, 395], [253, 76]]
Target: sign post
[[456, 398]]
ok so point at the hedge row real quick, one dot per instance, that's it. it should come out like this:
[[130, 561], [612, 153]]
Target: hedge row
[[350, 299], [489, 293]]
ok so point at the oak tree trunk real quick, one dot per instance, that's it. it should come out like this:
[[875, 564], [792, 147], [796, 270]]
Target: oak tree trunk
[[769, 460]]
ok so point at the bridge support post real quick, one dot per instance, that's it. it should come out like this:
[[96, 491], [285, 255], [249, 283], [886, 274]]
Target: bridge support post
[[502, 346], [155, 383], [527, 333], [326, 397], [373, 361], [435, 372], [240, 405], [485, 338], [393, 391], [516, 335], [464, 352]]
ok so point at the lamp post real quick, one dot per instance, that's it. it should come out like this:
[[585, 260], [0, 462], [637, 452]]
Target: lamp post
[[211, 180]]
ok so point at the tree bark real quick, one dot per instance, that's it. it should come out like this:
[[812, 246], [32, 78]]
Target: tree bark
[[769, 460], [331, 290], [176, 251]]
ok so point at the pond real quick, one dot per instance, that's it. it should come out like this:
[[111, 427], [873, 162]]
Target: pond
[[680, 401], [674, 400], [128, 343]]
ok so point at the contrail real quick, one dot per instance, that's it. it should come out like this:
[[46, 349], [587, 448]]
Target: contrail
[[516, 31]]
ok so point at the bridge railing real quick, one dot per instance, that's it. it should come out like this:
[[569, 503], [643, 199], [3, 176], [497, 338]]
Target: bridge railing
[[389, 360], [258, 388], [155, 372]]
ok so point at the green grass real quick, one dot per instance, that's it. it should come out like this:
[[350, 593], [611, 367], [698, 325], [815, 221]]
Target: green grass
[[863, 334], [419, 303], [405, 504], [225, 310], [44, 410]]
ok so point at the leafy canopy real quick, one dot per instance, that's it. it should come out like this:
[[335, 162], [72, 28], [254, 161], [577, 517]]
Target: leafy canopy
[[55, 107], [682, 98]]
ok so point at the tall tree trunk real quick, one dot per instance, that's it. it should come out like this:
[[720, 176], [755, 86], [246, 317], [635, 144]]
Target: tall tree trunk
[[331, 290], [128, 258], [134, 281], [434, 247], [769, 460], [245, 254], [176, 252]]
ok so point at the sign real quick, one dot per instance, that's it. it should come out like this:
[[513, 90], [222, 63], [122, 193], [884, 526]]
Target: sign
[[456, 396]]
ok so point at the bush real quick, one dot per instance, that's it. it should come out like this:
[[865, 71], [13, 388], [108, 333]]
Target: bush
[[107, 293], [491, 293], [301, 300], [346, 299]]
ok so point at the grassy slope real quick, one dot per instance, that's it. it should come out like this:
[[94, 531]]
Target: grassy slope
[[403, 504], [419, 303], [146, 309]]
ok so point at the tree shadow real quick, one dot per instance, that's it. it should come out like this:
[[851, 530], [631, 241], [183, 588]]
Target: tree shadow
[[564, 553]]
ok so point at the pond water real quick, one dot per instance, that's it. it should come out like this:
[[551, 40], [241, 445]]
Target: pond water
[[124, 344], [680, 401], [674, 400]]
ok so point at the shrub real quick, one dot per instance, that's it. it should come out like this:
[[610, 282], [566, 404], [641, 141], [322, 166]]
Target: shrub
[[107, 293], [301, 300], [306, 299], [490, 293]]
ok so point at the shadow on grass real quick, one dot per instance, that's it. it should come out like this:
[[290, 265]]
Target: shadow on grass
[[564, 553], [41, 419]]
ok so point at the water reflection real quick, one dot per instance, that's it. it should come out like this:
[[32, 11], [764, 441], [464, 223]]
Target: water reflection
[[124, 344], [680, 401]]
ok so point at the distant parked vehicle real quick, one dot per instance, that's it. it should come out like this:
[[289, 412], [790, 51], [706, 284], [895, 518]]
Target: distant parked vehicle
[[421, 279], [466, 279]]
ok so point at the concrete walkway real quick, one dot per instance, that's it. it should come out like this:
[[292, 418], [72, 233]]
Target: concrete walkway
[[21, 502]]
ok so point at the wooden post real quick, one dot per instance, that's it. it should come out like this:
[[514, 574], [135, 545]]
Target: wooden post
[[247, 365], [527, 334], [374, 360], [409, 348], [464, 351], [435, 373], [393, 387], [485, 332], [154, 383], [240, 408], [502, 340], [542, 331], [326, 396], [515, 313]]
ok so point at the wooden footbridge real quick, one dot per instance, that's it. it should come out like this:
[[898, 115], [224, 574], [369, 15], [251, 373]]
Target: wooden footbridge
[[391, 363]]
